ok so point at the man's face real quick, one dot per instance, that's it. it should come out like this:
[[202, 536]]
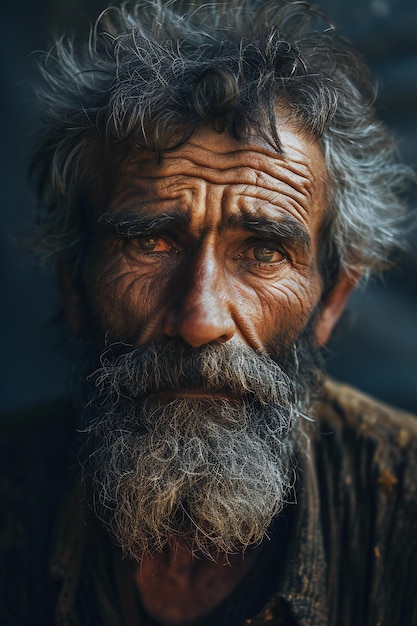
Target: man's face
[[203, 277], [219, 243]]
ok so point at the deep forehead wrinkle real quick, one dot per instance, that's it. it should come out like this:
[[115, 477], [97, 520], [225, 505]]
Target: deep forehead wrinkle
[[169, 185], [216, 173], [271, 207], [250, 163], [254, 156], [258, 166], [268, 174]]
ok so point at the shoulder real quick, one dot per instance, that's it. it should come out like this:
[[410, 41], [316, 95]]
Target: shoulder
[[366, 460], [344, 409], [370, 443]]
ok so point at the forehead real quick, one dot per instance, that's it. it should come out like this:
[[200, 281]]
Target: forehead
[[227, 176]]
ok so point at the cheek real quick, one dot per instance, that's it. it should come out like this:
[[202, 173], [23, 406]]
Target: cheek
[[275, 310], [125, 302]]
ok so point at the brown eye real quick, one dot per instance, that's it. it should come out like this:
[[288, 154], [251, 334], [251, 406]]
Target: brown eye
[[264, 254], [147, 243], [151, 244]]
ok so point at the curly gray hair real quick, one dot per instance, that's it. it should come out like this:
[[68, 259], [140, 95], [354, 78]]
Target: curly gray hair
[[150, 75]]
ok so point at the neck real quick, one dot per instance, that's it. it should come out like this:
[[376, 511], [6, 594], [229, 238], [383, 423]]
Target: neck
[[179, 586]]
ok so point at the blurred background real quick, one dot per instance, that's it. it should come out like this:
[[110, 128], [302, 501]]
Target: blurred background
[[376, 350]]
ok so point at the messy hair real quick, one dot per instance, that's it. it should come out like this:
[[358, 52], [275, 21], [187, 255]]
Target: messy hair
[[151, 74]]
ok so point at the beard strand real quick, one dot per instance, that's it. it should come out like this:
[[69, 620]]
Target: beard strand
[[212, 472]]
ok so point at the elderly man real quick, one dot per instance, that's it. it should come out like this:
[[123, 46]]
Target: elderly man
[[214, 185]]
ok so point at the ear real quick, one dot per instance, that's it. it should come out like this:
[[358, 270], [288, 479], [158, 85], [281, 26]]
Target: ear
[[72, 300], [333, 306]]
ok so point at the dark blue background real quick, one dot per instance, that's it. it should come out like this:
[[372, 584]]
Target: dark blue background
[[378, 352]]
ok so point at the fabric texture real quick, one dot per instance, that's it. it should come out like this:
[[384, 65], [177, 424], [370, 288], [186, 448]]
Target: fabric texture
[[349, 557]]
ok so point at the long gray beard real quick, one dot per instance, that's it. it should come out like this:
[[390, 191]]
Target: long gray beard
[[213, 472]]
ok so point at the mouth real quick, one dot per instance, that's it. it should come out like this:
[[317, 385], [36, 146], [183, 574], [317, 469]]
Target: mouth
[[193, 394]]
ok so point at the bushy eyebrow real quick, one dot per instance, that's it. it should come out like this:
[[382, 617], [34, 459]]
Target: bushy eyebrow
[[286, 229], [130, 223]]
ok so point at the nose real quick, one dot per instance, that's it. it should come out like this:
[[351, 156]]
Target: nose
[[202, 310]]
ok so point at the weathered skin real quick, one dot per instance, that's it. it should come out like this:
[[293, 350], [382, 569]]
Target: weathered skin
[[208, 272], [201, 280]]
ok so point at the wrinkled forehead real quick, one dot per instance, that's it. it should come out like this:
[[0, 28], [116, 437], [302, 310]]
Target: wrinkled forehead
[[292, 177]]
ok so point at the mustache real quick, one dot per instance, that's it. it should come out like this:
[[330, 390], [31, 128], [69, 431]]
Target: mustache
[[233, 369]]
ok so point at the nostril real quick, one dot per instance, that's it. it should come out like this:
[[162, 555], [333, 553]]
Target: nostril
[[224, 338], [169, 325], [170, 331]]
